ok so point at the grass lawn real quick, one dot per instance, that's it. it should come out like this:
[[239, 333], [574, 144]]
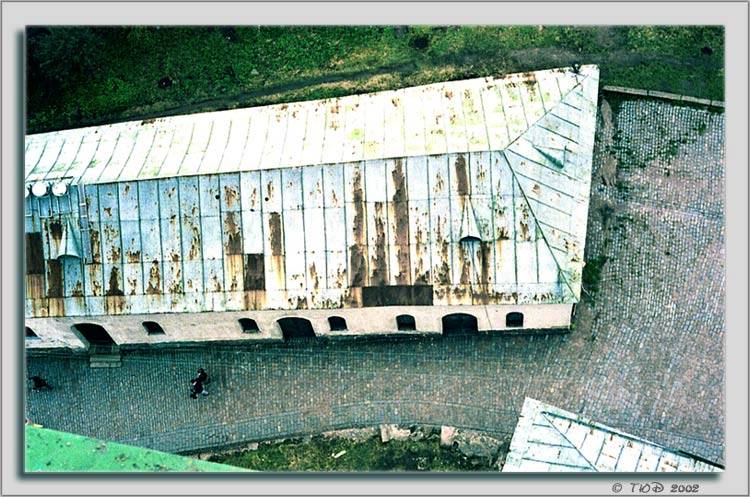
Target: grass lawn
[[79, 76], [368, 455]]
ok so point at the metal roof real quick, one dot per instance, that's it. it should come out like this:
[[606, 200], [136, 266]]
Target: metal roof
[[470, 192], [548, 439], [452, 117], [53, 451]]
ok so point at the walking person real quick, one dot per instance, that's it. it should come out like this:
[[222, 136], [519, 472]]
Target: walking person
[[203, 376], [196, 387], [39, 383]]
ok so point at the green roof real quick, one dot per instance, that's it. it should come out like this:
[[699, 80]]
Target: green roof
[[59, 452]]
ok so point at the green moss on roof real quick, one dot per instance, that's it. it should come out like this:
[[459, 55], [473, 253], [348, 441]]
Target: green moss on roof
[[60, 452]]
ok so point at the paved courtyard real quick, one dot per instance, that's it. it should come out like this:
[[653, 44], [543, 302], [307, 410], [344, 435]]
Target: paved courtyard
[[646, 354]]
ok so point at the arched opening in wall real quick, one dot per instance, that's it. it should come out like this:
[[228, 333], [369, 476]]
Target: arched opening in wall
[[514, 320], [459, 324], [153, 328], [96, 336], [248, 325], [405, 322], [30, 333], [337, 323], [292, 328]]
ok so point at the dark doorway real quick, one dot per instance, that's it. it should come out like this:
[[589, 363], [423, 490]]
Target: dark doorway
[[30, 333], [153, 328], [337, 323], [94, 334], [405, 322], [514, 320], [459, 324], [248, 325], [292, 328]]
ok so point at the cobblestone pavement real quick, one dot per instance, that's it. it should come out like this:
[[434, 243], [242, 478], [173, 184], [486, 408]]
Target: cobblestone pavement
[[646, 355]]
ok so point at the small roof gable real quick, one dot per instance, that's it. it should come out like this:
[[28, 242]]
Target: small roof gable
[[548, 439]]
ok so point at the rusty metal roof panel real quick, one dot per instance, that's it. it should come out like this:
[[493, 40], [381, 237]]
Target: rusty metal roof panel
[[218, 216]]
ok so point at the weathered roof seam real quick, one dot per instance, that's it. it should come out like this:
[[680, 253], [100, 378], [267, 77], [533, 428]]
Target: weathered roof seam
[[546, 242]]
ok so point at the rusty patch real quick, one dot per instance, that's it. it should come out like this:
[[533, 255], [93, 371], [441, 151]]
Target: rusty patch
[[54, 278], [466, 263], [133, 283], [276, 234], [299, 303], [480, 295], [195, 245], [175, 257], [108, 211], [419, 237], [216, 284], [379, 263], [404, 264], [133, 256], [357, 266], [444, 270], [536, 189], [56, 307], [35, 286], [314, 276], [462, 175], [34, 254], [448, 94], [39, 308], [234, 274], [95, 246], [154, 279], [233, 244], [114, 304], [114, 287], [525, 235], [254, 272], [485, 250], [55, 230], [439, 182], [176, 286], [231, 195], [114, 254], [77, 289], [95, 277]]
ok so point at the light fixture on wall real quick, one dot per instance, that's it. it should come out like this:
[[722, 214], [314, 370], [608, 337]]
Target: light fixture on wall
[[59, 189], [39, 189]]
